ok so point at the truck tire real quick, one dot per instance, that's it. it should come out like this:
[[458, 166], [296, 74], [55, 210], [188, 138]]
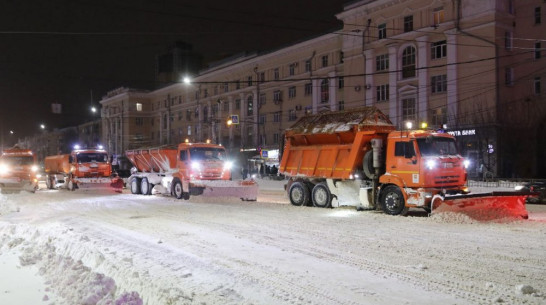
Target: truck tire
[[135, 186], [298, 194], [50, 182], [321, 196], [145, 186], [392, 201], [367, 165], [178, 190]]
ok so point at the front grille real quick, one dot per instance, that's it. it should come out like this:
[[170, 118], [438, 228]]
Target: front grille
[[446, 179]]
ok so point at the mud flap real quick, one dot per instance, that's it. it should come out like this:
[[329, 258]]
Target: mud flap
[[246, 190], [484, 206]]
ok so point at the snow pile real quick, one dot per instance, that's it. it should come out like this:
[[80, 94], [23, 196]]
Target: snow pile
[[70, 280]]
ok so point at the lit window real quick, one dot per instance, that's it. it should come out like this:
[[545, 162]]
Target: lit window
[[382, 31], [438, 15], [138, 106]]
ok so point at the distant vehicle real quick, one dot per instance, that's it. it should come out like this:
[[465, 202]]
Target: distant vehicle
[[82, 168], [187, 169], [535, 187], [18, 171]]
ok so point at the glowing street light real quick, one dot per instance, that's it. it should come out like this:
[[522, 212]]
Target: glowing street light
[[186, 80], [11, 132], [93, 109], [42, 126]]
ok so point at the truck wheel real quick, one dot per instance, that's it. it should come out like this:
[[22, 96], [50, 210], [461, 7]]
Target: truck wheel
[[392, 201], [178, 191], [145, 187], [135, 186], [367, 165], [298, 194], [71, 185], [321, 196]]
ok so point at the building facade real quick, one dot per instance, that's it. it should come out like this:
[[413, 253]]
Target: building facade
[[473, 68]]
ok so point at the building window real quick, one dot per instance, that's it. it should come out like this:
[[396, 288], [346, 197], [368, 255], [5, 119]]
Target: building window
[[276, 74], [341, 57], [277, 96], [292, 92], [261, 120], [438, 49], [180, 115], [537, 85], [188, 115], [138, 106], [340, 82], [226, 106], [237, 104], [308, 89], [324, 91], [196, 113], [382, 62], [382, 93], [537, 15], [308, 65], [215, 90], [262, 99], [439, 116], [249, 106], [205, 93], [538, 53], [511, 6], [139, 121], [262, 77], [237, 84], [408, 62], [276, 117], [249, 81], [509, 76], [408, 24], [438, 83], [382, 31], [341, 105], [408, 109], [292, 69], [292, 115], [508, 40], [275, 138], [324, 61], [226, 87], [438, 15]]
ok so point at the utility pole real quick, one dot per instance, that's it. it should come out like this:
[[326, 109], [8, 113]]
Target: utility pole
[[258, 104]]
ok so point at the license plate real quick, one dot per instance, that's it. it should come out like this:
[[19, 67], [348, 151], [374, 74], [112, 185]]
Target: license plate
[[448, 165]]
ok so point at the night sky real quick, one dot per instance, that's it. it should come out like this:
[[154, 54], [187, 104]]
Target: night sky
[[73, 51]]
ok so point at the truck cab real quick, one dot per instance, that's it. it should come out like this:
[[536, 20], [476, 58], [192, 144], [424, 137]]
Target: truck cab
[[18, 170], [200, 161], [422, 163]]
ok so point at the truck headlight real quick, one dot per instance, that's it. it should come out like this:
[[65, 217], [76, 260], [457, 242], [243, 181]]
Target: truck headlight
[[431, 164], [466, 163], [34, 168], [4, 169], [196, 165], [228, 165]]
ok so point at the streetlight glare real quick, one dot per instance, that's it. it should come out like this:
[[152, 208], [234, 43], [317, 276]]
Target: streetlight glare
[[42, 126], [187, 80], [11, 132], [93, 109]]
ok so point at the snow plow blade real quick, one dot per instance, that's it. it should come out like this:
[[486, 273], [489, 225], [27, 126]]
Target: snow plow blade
[[484, 206], [247, 190], [115, 184]]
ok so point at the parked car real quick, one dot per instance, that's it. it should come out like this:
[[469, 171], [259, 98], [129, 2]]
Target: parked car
[[536, 186]]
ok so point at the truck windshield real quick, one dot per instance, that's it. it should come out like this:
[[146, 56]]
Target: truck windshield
[[436, 146], [207, 153], [92, 157], [18, 160]]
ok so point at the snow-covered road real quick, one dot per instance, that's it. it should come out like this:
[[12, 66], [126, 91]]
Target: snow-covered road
[[102, 248]]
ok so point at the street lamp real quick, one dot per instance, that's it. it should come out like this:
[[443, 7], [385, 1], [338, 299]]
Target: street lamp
[[93, 109], [42, 126]]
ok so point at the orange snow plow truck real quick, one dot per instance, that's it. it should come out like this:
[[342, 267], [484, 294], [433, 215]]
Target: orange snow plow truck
[[82, 168], [188, 169], [358, 158], [18, 171]]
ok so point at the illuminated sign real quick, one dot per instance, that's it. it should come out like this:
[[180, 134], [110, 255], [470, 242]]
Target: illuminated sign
[[463, 132]]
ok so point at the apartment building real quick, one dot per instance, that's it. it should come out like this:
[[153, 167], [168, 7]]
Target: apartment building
[[473, 68]]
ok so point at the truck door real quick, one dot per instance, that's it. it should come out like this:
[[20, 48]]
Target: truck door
[[183, 163], [405, 164]]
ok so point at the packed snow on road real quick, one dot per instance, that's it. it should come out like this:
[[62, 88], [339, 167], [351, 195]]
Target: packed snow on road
[[96, 247]]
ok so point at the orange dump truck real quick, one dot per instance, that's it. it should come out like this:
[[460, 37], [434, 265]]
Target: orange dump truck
[[358, 158], [82, 168], [187, 169], [18, 170]]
